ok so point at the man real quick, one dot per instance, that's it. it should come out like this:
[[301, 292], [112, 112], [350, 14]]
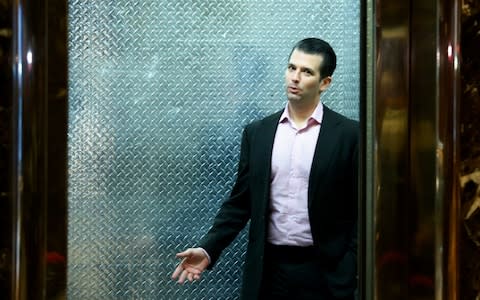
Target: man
[[297, 184]]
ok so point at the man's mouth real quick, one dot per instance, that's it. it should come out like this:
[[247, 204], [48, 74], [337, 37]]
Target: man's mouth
[[293, 89]]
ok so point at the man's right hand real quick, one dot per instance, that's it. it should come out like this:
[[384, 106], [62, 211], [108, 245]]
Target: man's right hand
[[194, 262]]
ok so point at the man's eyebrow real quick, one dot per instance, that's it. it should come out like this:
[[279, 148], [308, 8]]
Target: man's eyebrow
[[290, 64], [308, 69]]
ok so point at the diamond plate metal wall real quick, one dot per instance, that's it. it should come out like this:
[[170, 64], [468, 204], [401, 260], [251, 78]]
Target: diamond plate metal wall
[[158, 94]]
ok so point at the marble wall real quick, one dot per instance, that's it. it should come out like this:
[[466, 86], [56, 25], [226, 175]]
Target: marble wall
[[470, 151]]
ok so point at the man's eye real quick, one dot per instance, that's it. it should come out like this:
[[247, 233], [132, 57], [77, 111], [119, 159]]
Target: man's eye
[[291, 67]]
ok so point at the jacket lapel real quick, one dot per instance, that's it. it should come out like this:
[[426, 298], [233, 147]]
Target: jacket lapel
[[324, 149], [265, 137]]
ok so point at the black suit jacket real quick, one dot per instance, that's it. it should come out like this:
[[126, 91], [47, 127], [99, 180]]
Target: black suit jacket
[[332, 202]]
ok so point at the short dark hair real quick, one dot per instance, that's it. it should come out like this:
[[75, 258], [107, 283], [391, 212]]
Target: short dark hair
[[319, 47]]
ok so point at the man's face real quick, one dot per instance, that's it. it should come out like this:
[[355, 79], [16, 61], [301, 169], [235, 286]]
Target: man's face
[[302, 77]]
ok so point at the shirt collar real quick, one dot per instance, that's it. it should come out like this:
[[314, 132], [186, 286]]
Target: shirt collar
[[317, 114]]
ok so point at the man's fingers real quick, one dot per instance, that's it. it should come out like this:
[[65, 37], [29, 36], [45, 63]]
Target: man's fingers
[[177, 271], [183, 274], [182, 277], [193, 270]]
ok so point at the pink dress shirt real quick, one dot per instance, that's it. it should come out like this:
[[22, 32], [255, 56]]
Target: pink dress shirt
[[292, 157]]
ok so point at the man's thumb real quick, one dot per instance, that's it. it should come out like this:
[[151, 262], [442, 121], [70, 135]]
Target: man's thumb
[[185, 253]]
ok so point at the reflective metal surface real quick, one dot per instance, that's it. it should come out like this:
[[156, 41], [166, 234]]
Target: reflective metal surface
[[428, 170], [391, 152], [366, 259], [447, 238], [415, 173], [28, 177], [158, 94]]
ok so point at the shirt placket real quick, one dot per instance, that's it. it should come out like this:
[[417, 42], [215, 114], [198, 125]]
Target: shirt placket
[[294, 178]]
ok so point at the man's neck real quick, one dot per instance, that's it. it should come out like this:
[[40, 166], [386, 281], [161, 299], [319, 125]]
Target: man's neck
[[300, 112]]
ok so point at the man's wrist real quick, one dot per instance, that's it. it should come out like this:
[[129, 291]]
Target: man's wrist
[[206, 254]]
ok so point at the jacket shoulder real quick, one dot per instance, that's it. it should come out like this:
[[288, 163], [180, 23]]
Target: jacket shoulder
[[337, 117]]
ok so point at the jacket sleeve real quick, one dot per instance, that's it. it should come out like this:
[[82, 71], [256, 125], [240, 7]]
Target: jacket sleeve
[[234, 213]]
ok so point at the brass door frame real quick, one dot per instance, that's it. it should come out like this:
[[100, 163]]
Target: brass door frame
[[411, 172]]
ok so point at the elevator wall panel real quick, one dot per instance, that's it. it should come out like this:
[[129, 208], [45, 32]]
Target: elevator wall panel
[[159, 92]]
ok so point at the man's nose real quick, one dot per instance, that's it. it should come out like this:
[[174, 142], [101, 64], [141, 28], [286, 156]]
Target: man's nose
[[295, 76]]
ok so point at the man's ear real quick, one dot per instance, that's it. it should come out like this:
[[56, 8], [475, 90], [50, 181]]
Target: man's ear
[[325, 83]]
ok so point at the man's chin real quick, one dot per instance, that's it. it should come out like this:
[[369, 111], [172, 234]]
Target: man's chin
[[293, 97]]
